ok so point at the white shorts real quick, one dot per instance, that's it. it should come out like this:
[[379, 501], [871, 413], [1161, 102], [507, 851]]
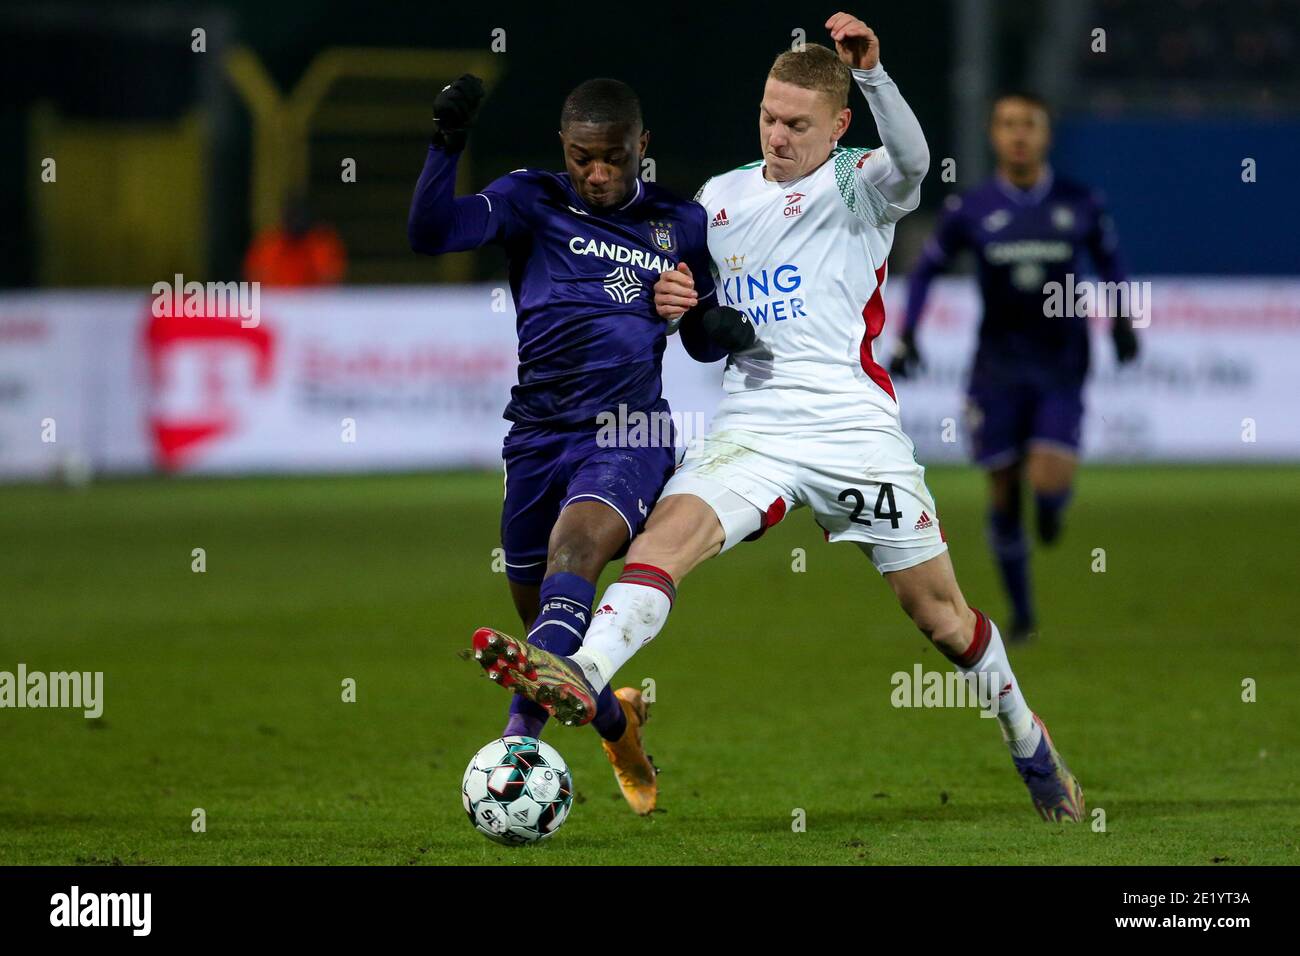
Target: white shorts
[[863, 485]]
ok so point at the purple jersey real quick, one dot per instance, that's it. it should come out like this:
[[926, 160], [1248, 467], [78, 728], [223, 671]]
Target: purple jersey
[[1022, 240], [582, 280]]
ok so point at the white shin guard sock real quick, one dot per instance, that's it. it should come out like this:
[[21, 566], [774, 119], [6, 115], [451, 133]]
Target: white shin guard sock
[[1019, 730], [628, 616]]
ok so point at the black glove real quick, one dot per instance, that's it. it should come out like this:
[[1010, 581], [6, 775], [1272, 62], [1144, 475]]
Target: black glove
[[454, 109], [906, 360], [729, 328], [1126, 340]]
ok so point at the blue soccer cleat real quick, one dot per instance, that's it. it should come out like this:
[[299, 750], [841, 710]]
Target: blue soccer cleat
[[1056, 793]]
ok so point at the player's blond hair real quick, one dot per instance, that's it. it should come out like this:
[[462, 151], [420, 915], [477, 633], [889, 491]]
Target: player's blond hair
[[815, 67]]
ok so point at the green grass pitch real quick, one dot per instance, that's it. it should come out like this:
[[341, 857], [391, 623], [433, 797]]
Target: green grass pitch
[[223, 689]]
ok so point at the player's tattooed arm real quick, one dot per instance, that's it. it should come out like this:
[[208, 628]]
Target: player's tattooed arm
[[896, 170]]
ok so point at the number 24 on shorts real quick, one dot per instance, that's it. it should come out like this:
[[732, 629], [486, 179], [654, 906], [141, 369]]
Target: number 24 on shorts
[[860, 502]]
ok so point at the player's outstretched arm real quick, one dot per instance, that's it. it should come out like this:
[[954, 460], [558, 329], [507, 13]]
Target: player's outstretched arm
[[438, 221], [896, 170], [948, 240], [1103, 247]]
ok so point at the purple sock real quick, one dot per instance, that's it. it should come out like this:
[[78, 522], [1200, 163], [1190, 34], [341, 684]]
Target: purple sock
[[565, 613], [1051, 507], [1008, 540]]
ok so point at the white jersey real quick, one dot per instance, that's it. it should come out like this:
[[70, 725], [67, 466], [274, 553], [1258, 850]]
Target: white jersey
[[805, 260], [809, 418]]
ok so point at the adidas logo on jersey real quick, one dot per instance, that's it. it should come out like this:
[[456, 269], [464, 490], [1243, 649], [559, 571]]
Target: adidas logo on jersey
[[720, 219], [922, 522]]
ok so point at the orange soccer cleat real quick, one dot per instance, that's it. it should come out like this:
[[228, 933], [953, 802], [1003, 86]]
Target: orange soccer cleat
[[636, 774]]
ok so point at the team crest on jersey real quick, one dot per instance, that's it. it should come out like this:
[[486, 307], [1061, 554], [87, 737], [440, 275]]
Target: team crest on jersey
[[662, 234], [1063, 218]]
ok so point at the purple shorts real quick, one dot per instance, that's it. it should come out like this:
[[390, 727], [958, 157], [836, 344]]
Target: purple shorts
[[1007, 417], [546, 469]]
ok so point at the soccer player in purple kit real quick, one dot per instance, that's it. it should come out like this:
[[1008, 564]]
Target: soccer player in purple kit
[[809, 419], [584, 248], [1028, 227]]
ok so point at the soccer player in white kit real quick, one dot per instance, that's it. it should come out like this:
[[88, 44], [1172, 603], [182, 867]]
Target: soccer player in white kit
[[799, 241]]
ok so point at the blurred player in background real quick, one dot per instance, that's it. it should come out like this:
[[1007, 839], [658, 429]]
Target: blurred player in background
[[584, 248], [800, 240], [1028, 227]]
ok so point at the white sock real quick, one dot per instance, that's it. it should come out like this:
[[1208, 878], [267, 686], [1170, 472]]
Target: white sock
[[628, 616], [1019, 728]]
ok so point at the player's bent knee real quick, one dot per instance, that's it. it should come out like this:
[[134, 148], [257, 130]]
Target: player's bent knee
[[576, 551], [573, 555], [682, 532], [585, 538], [1050, 470], [930, 595]]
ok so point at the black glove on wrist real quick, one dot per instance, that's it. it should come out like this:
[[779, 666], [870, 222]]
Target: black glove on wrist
[[1126, 340], [454, 109], [729, 328], [906, 358]]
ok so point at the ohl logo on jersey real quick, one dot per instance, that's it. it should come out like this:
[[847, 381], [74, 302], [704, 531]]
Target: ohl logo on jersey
[[793, 205]]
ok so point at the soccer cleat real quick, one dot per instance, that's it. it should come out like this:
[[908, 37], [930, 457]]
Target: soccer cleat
[[1056, 793], [637, 776], [549, 680]]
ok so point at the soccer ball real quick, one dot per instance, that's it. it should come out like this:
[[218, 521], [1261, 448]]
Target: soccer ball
[[517, 790]]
